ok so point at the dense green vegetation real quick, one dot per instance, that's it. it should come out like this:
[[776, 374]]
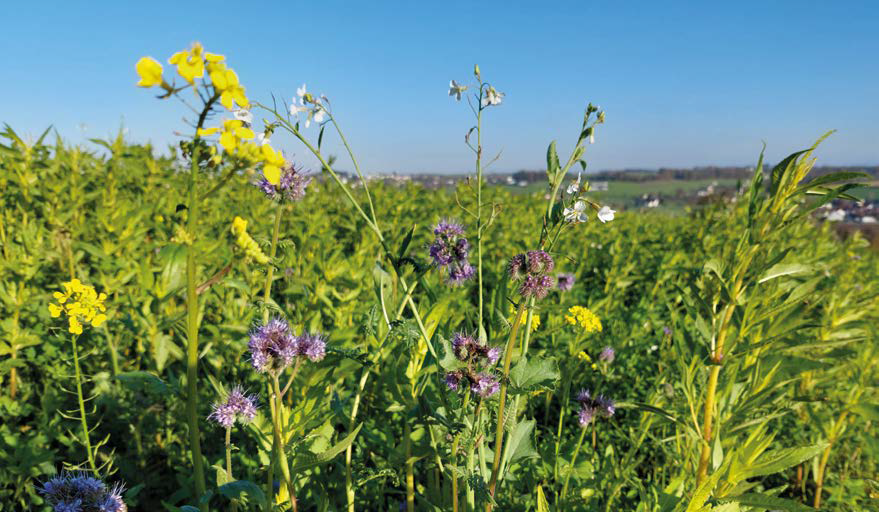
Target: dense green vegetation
[[799, 372]]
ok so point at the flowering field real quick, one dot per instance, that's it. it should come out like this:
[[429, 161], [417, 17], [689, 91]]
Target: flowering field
[[222, 330]]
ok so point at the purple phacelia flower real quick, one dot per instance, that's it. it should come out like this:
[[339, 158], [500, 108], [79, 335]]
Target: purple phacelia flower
[[666, 330], [461, 345], [450, 252], [584, 396], [290, 188], [607, 355], [586, 415], [565, 282], [272, 346], [78, 492], [606, 407], [453, 380], [313, 346], [535, 286], [238, 406], [493, 355], [539, 262], [485, 385]]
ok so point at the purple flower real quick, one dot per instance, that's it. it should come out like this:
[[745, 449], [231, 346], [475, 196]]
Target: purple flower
[[516, 268], [485, 385], [607, 355], [539, 262], [565, 281], [453, 380], [493, 355], [290, 188], [78, 492], [272, 346], [535, 286], [450, 251], [238, 406], [586, 415], [584, 397], [313, 346], [666, 330], [461, 344], [605, 406]]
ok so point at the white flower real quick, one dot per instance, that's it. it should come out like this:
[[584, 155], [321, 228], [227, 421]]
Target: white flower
[[243, 115], [605, 214], [492, 97], [574, 187], [455, 89], [653, 348], [301, 91], [262, 140], [577, 213]]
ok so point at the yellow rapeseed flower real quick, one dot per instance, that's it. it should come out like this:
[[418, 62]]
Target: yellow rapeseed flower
[[190, 63], [246, 243], [535, 319], [150, 72], [81, 304], [584, 318]]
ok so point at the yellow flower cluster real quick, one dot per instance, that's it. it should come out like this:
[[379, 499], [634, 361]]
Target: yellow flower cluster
[[246, 243], [535, 319], [82, 305], [583, 356], [584, 318], [235, 137]]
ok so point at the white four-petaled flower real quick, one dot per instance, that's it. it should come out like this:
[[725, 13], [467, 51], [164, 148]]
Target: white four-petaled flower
[[243, 115], [605, 214], [576, 213], [574, 187], [492, 97], [455, 89]]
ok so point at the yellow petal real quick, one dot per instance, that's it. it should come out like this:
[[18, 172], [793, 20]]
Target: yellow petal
[[205, 132], [213, 57], [99, 319], [150, 72], [55, 310], [244, 133], [75, 326], [272, 174]]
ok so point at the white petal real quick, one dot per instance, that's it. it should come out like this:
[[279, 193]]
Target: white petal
[[301, 91]]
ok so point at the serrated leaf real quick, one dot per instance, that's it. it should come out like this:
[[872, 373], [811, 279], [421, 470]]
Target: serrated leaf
[[533, 374]]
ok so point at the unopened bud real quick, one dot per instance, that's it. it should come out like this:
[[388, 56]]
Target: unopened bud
[[476, 70]]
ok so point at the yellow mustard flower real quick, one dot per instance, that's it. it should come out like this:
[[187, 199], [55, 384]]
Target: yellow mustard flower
[[584, 318], [190, 63], [535, 319], [150, 72], [583, 356], [246, 243], [81, 304]]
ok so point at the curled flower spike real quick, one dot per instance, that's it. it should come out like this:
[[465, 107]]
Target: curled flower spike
[[451, 251], [468, 350], [273, 347], [565, 282], [238, 406], [290, 187], [485, 385], [591, 407], [583, 318], [532, 268], [81, 304], [74, 491]]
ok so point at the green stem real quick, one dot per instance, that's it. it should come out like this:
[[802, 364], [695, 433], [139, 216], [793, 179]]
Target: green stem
[[410, 474], [276, 231], [573, 462], [280, 454], [479, 207], [499, 434], [82, 415], [454, 457], [563, 404]]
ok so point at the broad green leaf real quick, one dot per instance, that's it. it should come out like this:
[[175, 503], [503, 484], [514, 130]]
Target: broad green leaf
[[533, 374], [234, 490], [304, 461], [774, 461], [783, 269], [768, 502]]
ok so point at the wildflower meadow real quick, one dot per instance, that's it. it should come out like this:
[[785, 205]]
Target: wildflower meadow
[[217, 327]]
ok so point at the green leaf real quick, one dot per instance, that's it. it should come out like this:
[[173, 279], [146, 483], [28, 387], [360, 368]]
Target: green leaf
[[519, 443], [533, 374], [234, 490], [775, 461], [764, 501], [542, 504], [405, 244], [309, 460], [868, 411], [143, 381], [783, 269], [552, 162]]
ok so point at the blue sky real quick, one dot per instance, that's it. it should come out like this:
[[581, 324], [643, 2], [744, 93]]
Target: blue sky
[[683, 84]]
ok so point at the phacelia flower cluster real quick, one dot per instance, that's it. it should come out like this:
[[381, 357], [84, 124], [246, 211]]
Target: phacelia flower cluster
[[82, 305], [291, 187], [532, 269], [238, 406], [450, 250], [590, 407], [479, 359], [584, 318], [273, 346], [565, 282], [246, 243], [78, 492], [607, 355]]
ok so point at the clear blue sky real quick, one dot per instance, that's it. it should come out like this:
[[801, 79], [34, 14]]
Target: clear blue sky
[[683, 84]]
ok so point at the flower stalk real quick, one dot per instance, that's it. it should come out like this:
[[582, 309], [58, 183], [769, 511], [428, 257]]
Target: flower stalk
[[81, 401]]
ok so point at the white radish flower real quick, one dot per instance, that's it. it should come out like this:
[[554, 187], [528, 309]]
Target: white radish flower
[[577, 213], [605, 214], [455, 89], [492, 97], [574, 187], [243, 115]]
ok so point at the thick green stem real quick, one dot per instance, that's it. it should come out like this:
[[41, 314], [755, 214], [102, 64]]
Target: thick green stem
[[81, 401], [573, 463], [267, 291], [499, 434], [280, 453], [410, 473]]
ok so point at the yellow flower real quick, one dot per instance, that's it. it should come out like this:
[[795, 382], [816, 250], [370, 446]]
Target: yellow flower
[[584, 318], [535, 319], [81, 304], [246, 243], [205, 132], [190, 63], [150, 72], [583, 356]]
